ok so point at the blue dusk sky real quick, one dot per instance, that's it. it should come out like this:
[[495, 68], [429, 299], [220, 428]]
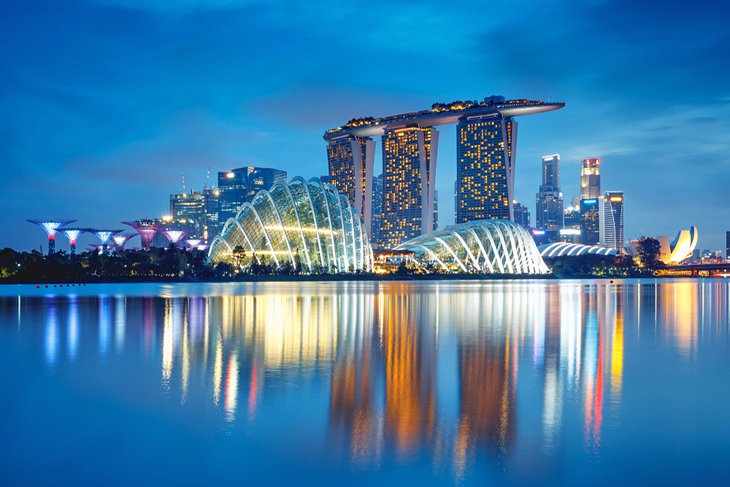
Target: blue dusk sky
[[104, 104]]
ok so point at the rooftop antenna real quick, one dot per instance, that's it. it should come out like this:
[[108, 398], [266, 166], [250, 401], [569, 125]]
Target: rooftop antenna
[[207, 179], [183, 181]]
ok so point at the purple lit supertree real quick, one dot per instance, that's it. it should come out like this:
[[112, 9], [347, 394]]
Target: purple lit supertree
[[174, 236], [120, 240], [146, 230], [72, 234], [103, 236], [51, 227]]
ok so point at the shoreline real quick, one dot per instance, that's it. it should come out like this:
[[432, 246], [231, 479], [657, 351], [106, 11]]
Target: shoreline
[[337, 278]]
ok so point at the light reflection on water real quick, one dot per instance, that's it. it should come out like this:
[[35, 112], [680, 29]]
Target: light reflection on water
[[463, 380]]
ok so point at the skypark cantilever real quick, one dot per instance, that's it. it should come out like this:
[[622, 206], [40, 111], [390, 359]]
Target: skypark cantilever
[[441, 114], [486, 150]]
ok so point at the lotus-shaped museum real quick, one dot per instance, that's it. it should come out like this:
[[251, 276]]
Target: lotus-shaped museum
[[489, 246], [306, 224]]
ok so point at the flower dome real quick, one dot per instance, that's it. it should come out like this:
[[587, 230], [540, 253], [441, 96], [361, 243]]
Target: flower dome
[[307, 224]]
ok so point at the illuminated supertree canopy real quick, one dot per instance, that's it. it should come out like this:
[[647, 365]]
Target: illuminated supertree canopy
[[72, 234], [174, 236], [120, 240], [103, 236], [51, 227], [146, 230]]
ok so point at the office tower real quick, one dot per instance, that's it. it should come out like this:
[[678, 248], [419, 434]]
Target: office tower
[[189, 209], [590, 179], [377, 212], [197, 211], [409, 167], [589, 221], [238, 186], [571, 224], [522, 214], [351, 160], [612, 220], [549, 216], [485, 167], [212, 195]]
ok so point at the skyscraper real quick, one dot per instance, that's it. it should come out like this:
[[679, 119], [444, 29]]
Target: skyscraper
[[198, 212], [549, 215], [522, 214], [350, 160], [589, 221], [485, 167], [590, 179], [612, 224], [409, 167], [241, 185]]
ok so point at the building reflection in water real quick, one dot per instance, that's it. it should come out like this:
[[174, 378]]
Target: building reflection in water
[[441, 368]]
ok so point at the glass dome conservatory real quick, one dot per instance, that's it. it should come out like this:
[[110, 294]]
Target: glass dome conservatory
[[307, 224], [490, 246]]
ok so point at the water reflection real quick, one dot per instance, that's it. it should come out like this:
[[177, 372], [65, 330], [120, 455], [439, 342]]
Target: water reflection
[[451, 371]]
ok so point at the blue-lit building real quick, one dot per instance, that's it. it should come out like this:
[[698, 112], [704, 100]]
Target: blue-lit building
[[590, 221], [549, 199], [238, 186]]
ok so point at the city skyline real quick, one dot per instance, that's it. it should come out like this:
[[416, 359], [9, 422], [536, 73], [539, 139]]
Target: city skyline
[[99, 126]]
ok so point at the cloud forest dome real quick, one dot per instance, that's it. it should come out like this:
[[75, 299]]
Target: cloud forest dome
[[307, 224], [491, 246]]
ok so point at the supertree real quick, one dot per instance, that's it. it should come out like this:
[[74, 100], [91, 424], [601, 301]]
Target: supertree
[[146, 229], [51, 227], [121, 239], [72, 234], [103, 236]]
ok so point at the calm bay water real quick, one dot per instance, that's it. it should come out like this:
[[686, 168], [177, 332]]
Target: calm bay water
[[444, 383]]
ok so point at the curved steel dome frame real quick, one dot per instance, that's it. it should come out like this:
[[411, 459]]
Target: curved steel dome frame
[[566, 249], [306, 222], [491, 246]]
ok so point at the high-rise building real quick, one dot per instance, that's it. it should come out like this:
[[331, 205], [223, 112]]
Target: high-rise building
[[571, 224], [350, 160], [485, 154], [189, 209], [377, 212], [409, 167], [549, 215], [522, 214], [197, 212], [590, 221], [612, 220], [238, 186], [590, 179]]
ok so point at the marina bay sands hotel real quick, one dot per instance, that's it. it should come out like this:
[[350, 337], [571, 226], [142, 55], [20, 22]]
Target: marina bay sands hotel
[[486, 148]]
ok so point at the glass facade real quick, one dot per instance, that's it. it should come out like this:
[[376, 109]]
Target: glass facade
[[409, 164], [241, 185], [549, 214], [307, 224], [613, 219], [490, 246], [485, 168], [590, 225]]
